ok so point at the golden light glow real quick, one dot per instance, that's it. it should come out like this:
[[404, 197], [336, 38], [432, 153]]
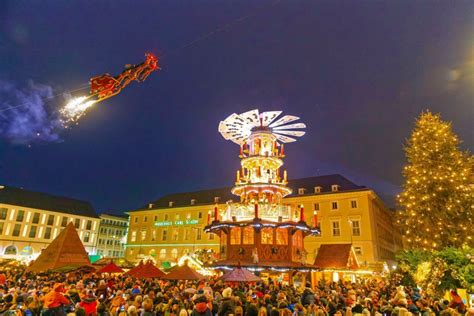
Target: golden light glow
[[75, 109]]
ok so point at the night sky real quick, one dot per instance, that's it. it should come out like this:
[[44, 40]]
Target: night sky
[[357, 73]]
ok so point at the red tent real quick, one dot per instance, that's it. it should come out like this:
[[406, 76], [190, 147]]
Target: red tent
[[240, 275], [146, 270], [110, 268], [183, 273]]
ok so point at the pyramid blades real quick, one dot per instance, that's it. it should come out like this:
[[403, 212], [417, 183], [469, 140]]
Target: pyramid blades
[[291, 126], [285, 119], [268, 117], [291, 133], [285, 139], [251, 117]]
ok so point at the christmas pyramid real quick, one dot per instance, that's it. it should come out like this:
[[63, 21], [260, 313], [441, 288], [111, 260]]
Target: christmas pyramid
[[65, 250]]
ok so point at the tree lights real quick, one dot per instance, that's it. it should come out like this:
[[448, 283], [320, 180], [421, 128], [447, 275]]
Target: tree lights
[[437, 195]]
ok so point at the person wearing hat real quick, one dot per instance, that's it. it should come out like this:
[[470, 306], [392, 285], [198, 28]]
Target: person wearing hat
[[227, 304], [53, 301]]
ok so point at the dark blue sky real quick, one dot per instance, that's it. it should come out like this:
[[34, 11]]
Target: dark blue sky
[[357, 72]]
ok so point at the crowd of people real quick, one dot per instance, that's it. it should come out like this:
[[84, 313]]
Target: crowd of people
[[120, 295]]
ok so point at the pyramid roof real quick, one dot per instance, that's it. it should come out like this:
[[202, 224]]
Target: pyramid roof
[[65, 250], [183, 273], [146, 270], [240, 275]]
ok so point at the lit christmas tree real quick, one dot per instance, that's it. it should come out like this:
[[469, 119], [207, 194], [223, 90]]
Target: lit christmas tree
[[437, 197]]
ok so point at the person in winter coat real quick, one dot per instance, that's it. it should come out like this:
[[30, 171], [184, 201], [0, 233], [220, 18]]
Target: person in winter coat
[[53, 301], [307, 298], [89, 303], [200, 307], [227, 304], [457, 303], [148, 307]]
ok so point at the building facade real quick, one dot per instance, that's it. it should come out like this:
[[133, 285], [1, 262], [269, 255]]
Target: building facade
[[29, 221], [347, 213], [112, 236]]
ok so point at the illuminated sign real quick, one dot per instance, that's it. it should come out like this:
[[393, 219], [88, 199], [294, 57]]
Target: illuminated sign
[[178, 222]]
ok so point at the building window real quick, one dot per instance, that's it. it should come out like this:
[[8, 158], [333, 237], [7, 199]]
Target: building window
[[36, 218], [175, 234], [301, 191], [143, 234], [170, 203], [20, 215], [164, 235], [235, 236], [199, 234], [334, 206], [50, 219], [153, 235], [211, 236], [248, 235], [136, 220], [145, 219], [353, 204], [267, 236], [133, 236], [11, 250], [64, 222], [358, 250], [3, 213], [47, 233], [186, 234], [200, 215], [334, 188], [162, 254], [16, 230], [281, 236], [32, 232], [166, 217], [174, 253], [316, 206], [217, 200], [355, 227], [193, 201], [89, 225], [317, 189], [336, 228], [155, 218], [1, 227], [176, 217], [77, 223], [86, 236]]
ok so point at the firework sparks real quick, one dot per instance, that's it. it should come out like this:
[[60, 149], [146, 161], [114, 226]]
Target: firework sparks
[[75, 109]]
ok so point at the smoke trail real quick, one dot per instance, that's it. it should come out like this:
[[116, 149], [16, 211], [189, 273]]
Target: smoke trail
[[25, 117]]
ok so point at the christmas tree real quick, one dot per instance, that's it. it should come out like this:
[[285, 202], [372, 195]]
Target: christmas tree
[[437, 197]]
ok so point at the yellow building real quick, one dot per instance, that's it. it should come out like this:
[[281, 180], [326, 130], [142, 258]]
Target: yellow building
[[347, 213], [29, 221]]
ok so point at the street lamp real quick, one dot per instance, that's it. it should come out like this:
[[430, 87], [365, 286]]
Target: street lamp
[[350, 224]]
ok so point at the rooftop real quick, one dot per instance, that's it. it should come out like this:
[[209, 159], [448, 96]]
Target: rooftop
[[121, 216], [44, 201], [205, 197], [335, 256]]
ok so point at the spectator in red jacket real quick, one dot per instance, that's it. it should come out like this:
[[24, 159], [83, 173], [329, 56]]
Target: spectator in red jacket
[[89, 303]]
